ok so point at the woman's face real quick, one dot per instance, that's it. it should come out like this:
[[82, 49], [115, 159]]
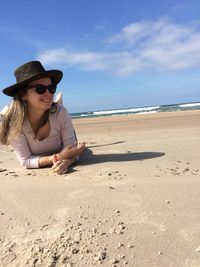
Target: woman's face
[[39, 101]]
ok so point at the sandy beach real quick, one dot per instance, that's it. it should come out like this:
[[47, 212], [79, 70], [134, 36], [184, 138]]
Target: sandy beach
[[133, 200]]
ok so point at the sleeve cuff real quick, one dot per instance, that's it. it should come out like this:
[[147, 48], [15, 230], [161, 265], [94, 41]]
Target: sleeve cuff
[[32, 163]]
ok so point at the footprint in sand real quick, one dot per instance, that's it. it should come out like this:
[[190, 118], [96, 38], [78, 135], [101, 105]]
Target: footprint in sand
[[180, 168], [108, 174]]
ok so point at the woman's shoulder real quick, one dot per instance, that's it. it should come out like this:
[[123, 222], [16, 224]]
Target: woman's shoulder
[[59, 108], [60, 117]]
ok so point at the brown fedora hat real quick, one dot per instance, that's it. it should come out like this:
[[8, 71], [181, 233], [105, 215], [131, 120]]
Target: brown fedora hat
[[29, 72]]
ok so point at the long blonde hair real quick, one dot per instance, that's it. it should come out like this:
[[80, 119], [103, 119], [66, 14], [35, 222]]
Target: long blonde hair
[[14, 118]]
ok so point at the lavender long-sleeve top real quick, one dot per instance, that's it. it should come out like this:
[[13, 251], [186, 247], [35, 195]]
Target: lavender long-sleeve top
[[28, 149]]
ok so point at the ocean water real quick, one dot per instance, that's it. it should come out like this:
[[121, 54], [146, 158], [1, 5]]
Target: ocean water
[[137, 110]]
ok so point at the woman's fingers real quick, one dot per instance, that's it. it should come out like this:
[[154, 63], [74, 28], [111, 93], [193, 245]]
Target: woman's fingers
[[60, 167], [61, 170], [56, 164]]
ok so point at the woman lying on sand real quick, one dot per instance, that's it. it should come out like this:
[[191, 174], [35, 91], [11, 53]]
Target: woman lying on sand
[[40, 130]]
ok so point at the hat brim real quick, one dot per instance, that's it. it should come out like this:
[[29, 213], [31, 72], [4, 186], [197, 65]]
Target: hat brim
[[56, 76]]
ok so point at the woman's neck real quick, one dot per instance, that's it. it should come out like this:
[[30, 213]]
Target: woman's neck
[[34, 117]]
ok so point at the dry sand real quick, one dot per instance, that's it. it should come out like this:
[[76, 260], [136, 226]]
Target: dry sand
[[134, 199]]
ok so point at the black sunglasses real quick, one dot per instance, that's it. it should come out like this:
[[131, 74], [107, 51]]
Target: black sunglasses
[[41, 88]]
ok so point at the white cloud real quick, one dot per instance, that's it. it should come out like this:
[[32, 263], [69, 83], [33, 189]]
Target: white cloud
[[131, 33], [148, 45], [86, 60]]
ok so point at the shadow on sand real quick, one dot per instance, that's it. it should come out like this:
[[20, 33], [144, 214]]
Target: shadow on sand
[[89, 158]]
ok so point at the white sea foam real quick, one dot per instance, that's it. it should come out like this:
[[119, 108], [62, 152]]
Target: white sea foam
[[85, 115], [189, 105], [129, 110]]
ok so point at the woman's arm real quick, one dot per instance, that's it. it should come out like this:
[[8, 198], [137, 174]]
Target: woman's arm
[[68, 156], [45, 161], [69, 153], [23, 153], [28, 160]]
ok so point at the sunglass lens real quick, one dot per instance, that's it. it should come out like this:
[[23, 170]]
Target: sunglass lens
[[52, 88], [41, 89]]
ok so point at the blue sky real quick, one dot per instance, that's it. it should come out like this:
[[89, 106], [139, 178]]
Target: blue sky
[[114, 53]]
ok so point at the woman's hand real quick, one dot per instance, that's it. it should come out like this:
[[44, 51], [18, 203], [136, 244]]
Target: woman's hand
[[71, 151], [61, 166]]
